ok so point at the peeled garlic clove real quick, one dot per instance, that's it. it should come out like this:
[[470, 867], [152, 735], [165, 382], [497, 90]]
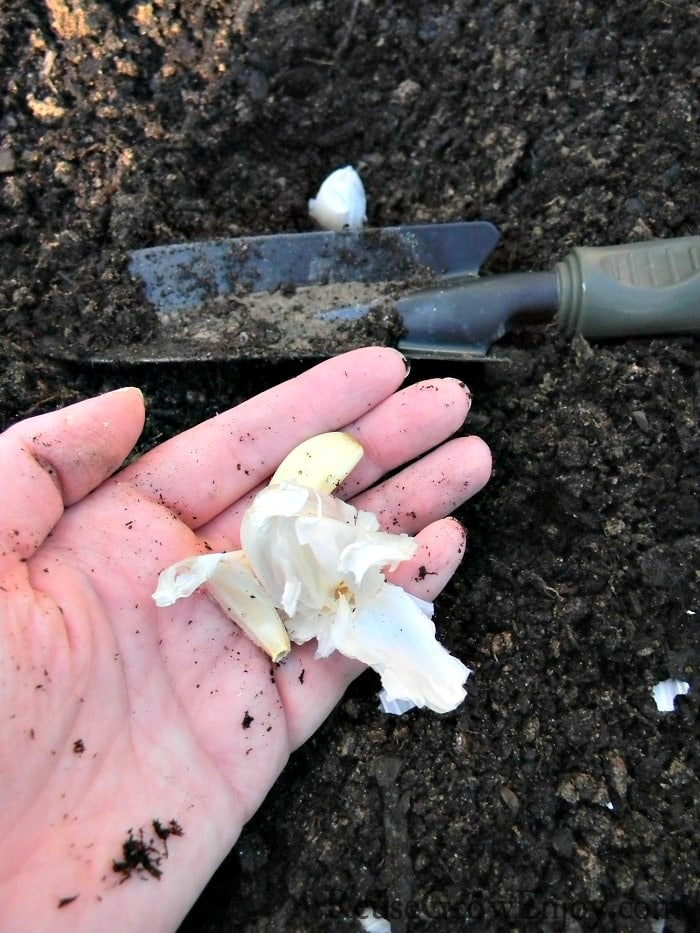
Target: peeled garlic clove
[[341, 202], [322, 462]]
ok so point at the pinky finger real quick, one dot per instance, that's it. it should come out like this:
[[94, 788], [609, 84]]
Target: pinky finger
[[441, 548]]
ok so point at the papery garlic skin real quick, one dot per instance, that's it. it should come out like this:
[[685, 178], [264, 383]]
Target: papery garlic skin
[[666, 691], [322, 564], [341, 203], [372, 922]]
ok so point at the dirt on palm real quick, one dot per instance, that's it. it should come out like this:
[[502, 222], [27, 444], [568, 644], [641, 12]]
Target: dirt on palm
[[557, 797]]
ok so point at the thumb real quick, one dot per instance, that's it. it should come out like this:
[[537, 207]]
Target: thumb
[[54, 460]]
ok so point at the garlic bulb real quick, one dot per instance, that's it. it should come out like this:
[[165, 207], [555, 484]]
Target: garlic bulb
[[341, 202], [313, 567]]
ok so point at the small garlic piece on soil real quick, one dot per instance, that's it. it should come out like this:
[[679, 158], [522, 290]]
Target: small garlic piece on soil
[[372, 922], [341, 203], [666, 691]]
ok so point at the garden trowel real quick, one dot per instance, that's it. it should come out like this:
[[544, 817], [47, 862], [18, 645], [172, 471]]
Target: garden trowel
[[416, 287]]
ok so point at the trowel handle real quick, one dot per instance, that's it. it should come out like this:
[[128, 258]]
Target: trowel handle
[[631, 290]]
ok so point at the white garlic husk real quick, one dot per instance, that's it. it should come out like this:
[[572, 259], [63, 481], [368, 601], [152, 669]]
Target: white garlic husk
[[341, 203]]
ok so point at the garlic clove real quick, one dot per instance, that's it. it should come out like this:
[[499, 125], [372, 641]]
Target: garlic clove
[[321, 462], [341, 202], [229, 580]]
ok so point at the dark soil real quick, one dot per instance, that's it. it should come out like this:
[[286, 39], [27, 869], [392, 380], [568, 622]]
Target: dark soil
[[557, 797]]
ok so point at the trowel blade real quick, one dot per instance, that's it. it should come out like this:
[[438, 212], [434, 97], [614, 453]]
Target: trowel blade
[[186, 275]]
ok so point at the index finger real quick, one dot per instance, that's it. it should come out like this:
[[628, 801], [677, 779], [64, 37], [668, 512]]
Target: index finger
[[204, 470]]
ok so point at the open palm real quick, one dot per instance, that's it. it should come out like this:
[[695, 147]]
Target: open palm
[[136, 741]]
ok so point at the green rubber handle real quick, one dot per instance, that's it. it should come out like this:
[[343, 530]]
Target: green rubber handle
[[631, 290]]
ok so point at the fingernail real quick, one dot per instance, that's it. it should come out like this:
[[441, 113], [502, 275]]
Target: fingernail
[[130, 389]]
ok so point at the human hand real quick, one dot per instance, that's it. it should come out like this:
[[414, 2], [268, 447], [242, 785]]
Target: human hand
[[120, 717]]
